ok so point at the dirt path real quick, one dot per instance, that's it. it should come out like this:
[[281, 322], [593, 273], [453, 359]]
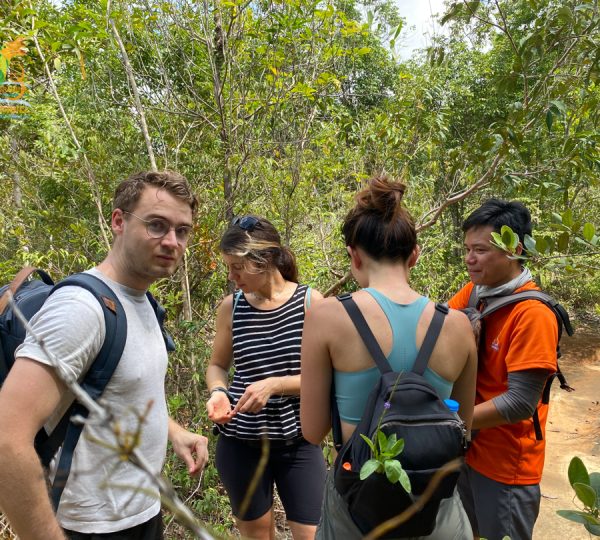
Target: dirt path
[[573, 430]]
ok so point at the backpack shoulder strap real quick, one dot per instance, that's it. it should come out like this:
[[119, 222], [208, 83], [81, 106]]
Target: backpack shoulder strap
[[161, 314], [365, 332], [472, 298], [95, 380], [433, 332], [494, 303]]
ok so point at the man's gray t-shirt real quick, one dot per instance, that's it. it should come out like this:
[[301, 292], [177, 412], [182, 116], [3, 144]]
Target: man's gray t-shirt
[[103, 493]]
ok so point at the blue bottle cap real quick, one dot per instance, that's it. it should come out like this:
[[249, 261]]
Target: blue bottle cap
[[452, 404]]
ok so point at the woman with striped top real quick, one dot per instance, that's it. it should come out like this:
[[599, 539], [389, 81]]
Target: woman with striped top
[[259, 331]]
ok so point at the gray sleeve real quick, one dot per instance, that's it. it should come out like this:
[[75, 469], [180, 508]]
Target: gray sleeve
[[524, 391]]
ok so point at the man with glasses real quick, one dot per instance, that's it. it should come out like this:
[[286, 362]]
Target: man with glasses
[[105, 496]]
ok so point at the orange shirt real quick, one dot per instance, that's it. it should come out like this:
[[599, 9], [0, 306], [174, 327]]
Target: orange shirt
[[517, 337]]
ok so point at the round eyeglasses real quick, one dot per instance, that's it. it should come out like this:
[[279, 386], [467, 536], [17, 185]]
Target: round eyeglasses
[[158, 227], [246, 223]]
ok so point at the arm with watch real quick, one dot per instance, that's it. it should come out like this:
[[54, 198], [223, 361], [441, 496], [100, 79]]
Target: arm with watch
[[220, 403]]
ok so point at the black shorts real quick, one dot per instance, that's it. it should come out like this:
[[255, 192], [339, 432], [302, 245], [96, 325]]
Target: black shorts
[[149, 530], [297, 470]]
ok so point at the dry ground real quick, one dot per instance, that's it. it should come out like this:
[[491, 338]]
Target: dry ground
[[573, 430]]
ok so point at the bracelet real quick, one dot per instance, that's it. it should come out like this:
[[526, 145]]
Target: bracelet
[[221, 389]]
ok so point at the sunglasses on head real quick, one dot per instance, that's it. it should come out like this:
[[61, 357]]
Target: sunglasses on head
[[246, 223]]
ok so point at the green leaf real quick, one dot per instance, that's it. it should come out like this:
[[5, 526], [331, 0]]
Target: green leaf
[[530, 245], [509, 238], [368, 468], [541, 245], [594, 529], [586, 494], [393, 470], [558, 107], [565, 14], [589, 231], [567, 217], [405, 481], [397, 448], [595, 483], [577, 472], [369, 442], [549, 119], [573, 515], [563, 241], [381, 440]]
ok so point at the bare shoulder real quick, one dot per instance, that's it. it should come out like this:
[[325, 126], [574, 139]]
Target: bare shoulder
[[226, 304], [458, 320], [324, 306], [315, 295]]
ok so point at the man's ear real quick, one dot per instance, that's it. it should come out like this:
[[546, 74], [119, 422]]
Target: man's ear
[[117, 220], [519, 249], [414, 256]]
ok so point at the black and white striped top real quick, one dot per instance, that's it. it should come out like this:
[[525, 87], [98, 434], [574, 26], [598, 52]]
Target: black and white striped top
[[266, 343]]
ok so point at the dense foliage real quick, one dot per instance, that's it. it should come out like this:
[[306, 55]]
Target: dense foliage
[[283, 108]]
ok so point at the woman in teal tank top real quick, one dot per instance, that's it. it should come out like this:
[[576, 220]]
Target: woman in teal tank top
[[381, 241]]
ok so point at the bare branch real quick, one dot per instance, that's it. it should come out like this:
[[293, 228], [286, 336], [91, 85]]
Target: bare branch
[[136, 95]]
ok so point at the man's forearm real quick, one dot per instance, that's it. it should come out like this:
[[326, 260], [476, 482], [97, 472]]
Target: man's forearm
[[485, 415], [24, 495]]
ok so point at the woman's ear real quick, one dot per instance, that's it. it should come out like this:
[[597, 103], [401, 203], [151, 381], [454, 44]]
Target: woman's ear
[[355, 258], [414, 256]]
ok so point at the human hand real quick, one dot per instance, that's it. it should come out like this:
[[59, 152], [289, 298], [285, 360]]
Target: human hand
[[192, 448], [256, 396], [218, 408]]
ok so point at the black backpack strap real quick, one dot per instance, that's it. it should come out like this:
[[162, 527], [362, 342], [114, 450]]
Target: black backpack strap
[[433, 332], [336, 422], [365, 332], [161, 314], [473, 301], [97, 377]]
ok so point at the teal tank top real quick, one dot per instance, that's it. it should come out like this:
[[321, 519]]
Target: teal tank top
[[352, 389]]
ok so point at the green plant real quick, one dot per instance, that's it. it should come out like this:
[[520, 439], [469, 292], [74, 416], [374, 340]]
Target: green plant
[[384, 449], [587, 490]]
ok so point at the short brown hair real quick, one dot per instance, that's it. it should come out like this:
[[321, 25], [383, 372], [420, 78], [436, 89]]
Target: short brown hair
[[129, 191]]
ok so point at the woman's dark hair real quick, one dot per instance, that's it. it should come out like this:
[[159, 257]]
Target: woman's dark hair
[[378, 223], [256, 239], [496, 213]]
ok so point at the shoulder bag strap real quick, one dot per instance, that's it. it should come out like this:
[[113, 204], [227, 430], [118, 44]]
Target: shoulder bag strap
[[365, 332], [430, 339]]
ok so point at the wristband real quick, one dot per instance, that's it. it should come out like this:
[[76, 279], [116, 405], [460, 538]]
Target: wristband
[[221, 389]]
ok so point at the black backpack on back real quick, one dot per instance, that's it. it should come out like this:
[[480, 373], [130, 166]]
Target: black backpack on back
[[407, 405], [29, 297], [479, 309]]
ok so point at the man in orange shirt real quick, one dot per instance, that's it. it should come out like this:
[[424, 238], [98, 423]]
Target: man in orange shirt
[[517, 352]]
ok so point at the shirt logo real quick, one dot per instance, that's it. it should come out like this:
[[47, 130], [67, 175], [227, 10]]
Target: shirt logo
[[495, 345]]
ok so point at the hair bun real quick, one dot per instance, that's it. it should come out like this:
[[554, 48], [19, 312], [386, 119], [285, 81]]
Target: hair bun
[[382, 196]]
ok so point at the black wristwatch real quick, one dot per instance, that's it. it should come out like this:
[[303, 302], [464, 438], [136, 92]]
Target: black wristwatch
[[222, 389]]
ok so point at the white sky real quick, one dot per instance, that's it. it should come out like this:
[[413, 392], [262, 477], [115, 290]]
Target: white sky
[[420, 25]]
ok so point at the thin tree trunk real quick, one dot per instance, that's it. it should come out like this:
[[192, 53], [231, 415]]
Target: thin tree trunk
[[136, 96], [90, 173]]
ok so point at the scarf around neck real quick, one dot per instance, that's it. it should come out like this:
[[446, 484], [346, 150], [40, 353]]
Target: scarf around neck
[[484, 291]]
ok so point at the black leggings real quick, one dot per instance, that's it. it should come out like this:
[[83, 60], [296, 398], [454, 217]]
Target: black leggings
[[149, 530], [298, 471]]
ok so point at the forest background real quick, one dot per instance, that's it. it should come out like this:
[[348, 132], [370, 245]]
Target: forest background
[[283, 108]]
